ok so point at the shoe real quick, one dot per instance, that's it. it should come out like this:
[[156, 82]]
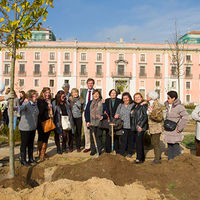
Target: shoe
[[92, 153], [138, 162], [59, 152], [24, 163], [129, 155], [64, 150], [154, 162], [86, 150], [32, 161], [78, 150], [70, 150]]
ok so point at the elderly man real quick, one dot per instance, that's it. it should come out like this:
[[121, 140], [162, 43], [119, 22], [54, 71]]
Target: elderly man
[[66, 88], [155, 115]]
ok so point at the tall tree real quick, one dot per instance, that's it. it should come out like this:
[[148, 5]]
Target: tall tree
[[17, 19]]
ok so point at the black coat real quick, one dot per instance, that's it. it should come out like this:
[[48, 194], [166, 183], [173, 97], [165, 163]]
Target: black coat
[[112, 110], [139, 117], [43, 111]]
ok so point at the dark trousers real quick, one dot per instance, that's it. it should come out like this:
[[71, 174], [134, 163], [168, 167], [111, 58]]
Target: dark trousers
[[27, 141], [78, 124], [42, 136], [58, 140], [155, 141], [197, 145], [173, 150], [98, 135], [139, 145]]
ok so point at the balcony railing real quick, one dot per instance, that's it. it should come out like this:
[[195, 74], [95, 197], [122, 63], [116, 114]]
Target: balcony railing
[[143, 75], [173, 75], [99, 74], [83, 74], [21, 73], [6, 73], [66, 73], [51, 74], [188, 76], [37, 74], [158, 75], [121, 75]]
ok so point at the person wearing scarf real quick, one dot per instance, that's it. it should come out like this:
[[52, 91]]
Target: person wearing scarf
[[94, 113]]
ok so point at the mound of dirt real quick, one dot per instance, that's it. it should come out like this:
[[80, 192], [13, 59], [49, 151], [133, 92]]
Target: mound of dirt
[[93, 189], [26, 177], [179, 177]]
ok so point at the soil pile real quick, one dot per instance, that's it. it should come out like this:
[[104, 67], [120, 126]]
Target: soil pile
[[93, 189], [179, 177]]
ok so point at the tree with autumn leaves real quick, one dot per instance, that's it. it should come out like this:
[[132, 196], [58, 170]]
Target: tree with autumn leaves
[[18, 18]]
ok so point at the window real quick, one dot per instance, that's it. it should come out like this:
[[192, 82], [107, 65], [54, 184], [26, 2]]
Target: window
[[173, 84], [158, 59], [83, 57], [52, 56], [142, 84], [99, 56], [6, 68], [51, 83], [82, 83], [142, 91], [98, 82], [188, 58], [121, 56], [188, 97], [21, 82], [142, 70], [188, 71], [22, 55], [99, 70], [173, 70], [157, 83], [37, 55], [66, 69], [67, 56], [37, 68], [21, 68], [157, 71], [173, 59], [51, 68], [120, 69], [188, 86], [7, 56], [142, 57], [36, 82], [7, 82], [83, 70], [66, 81]]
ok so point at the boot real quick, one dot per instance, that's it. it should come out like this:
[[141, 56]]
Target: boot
[[43, 150], [197, 145], [23, 159], [30, 158], [39, 147]]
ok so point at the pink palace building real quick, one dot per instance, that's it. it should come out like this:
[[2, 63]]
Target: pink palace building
[[131, 67]]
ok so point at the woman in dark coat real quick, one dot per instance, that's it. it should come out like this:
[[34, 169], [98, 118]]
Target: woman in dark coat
[[139, 124], [94, 113], [45, 112], [111, 105]]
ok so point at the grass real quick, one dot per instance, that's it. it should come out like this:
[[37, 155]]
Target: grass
[[188, 141]]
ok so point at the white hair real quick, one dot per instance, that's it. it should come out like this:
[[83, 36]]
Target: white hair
[[153, 95], [65, 85]]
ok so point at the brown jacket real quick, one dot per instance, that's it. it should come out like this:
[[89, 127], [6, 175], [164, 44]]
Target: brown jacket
[[179, 115], [155, 118]]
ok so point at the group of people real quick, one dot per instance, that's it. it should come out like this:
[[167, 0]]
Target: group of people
[[70, 112]]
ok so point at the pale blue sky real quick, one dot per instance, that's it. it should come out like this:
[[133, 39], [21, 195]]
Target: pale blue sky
[[150, 21]]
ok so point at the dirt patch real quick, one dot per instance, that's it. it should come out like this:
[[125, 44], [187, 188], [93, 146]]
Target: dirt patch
[[26, 177], [179, 177]]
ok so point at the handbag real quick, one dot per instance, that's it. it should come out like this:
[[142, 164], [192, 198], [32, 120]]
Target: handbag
[[169, 125], [65, 122], [48, 125]]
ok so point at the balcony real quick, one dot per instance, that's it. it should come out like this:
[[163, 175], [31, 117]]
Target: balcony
[[6, 73], [121, 75], [173, 75], [36, 74], [99, 75], [188, 76], [22, 73], [83, 74], [52, 74], [66, 74], [158, 75], [143, 75]]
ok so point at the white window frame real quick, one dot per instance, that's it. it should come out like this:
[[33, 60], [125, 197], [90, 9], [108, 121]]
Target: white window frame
[[101, 57], [38, 82], [83, 86], [186, 85], [50, 54], [50, 81], [158, 87], [34, 55], [190, 58], [5, 56], [99, 86], [69, 56], [145, 58], [19, 82], [81, 57], [121, 54], [5, 82], [186, 98], [160, 57], [142, 87], [24, 55]]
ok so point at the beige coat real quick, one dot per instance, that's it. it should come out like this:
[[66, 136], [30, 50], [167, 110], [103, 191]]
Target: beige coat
[[196, 117], [155, 118], [179, 115]]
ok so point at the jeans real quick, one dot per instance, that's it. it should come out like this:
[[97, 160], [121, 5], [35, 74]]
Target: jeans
[[14, 122]]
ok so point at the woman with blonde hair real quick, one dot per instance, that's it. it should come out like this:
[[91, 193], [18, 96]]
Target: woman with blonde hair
[[45, 113], [76, 104]]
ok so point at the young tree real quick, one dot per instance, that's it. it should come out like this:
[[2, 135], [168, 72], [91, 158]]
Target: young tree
[[17, 19]]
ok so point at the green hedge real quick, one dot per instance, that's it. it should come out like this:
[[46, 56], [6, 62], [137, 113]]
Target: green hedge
[[5, 132]]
